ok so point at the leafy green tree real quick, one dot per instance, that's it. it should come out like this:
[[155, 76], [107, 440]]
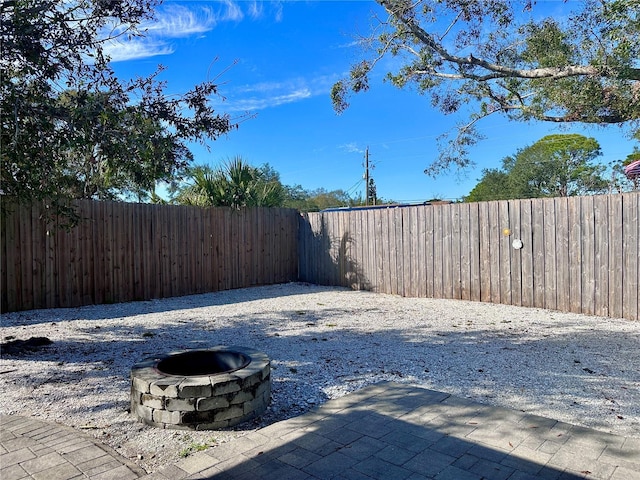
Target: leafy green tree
[[233, 184], [494, 185], [557, 166], [319, 199], [503, 58], [297, 197], [554, 166], [70, 127]]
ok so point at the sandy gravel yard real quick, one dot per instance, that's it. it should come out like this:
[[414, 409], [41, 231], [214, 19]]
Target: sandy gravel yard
[[323, 343]]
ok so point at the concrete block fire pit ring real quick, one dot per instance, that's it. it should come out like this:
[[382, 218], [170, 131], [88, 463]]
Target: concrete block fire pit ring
[[206, 389]]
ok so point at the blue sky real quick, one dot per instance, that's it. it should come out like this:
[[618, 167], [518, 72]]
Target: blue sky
[[277, 60]]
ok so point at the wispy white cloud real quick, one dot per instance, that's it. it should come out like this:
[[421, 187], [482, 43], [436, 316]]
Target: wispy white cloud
[[256, 9], [171, 21], [255, 103], [132, 50], [176, 21], [233, 12], [278, 11], [351, 147], [259, 96]]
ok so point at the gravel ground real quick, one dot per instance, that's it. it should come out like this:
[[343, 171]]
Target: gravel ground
[[323, 343]]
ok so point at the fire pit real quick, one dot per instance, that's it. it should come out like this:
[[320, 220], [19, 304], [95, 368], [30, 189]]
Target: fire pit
[[201, 389]]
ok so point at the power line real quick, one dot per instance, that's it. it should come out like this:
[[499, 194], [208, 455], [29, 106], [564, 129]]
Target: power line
[[354, 187]]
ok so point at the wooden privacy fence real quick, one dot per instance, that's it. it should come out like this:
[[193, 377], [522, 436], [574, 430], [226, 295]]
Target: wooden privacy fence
[[578, 254], [121, 252]]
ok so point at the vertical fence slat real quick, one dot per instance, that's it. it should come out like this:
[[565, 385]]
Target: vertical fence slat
[[12, 260], [485, 252], [495, 238], [366, 262], [504, 246], [384, 283], [526, 253], [359, 265], [207, 268], [245, 248], [218, 229], [408, 257], [343, 247], [393, 251], [465, 252], [26, 256], [515, 254], [575, 254], [421, 273], [165, 249], [4, 303], [186, 245], [97, 251], [374, 250], [417, 267], [562, 253], [197, 222], [539, 251], [616, 254], [142, 224], [38, 236], [601, 260], [130, 274], [550, 266], [120, 240], [588, 256], [429, 245], [438, 253], [40, 222], [447, 251], [255, 236], [315, 258], [6, 250], [474, 252], [83, 257], [456, 253], [631, 254], [331, 270], [397, 287]]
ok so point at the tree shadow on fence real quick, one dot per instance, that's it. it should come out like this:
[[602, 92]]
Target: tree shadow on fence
[[327, 259]]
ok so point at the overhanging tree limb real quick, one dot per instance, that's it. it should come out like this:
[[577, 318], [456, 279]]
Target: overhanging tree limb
[[584, 69], [499, 71]]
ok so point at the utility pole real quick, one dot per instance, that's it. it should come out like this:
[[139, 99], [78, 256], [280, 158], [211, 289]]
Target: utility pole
[[366, 175]]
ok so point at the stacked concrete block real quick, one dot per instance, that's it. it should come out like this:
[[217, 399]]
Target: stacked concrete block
[[201, 402]]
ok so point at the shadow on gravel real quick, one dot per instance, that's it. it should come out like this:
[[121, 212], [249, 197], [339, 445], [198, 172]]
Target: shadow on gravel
[[317, 354], [188, 302]]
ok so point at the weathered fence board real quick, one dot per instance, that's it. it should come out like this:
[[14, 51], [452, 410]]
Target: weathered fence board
[[562, 253], [120, 252], [579, 254], [588, 255], [616, 259], [631, 252]]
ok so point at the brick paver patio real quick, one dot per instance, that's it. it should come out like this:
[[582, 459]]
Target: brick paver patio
[[387, 431]]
